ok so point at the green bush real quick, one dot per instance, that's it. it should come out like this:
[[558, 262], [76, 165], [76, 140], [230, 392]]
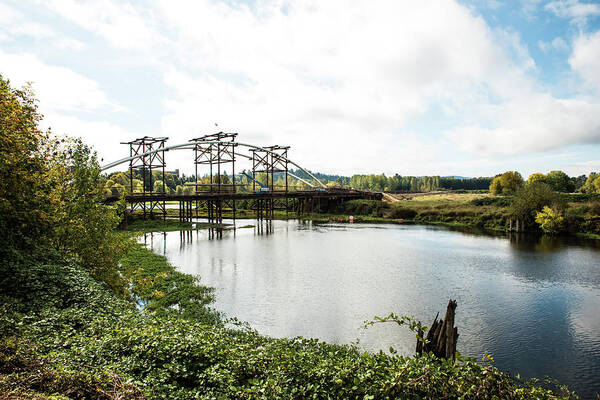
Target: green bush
[[24, 374], [374, 208], [550, 220], [157, 287], [178, 359], [398, 211], [579, 197], [532, 198], [492, 201]]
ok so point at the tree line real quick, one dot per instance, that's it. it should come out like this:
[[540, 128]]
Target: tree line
[[511, 181], [508, 182]]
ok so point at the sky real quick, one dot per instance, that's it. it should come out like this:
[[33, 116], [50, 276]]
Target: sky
[[444, 87]]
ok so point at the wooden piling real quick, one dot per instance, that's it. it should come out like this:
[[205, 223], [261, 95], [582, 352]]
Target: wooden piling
[[442, 335]]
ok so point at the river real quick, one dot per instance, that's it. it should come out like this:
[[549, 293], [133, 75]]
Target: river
[[532, 302]]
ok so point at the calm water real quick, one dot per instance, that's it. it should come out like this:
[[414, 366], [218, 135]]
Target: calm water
[[533, 303]]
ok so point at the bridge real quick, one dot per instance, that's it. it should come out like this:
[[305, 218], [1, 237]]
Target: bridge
[[216, 196]]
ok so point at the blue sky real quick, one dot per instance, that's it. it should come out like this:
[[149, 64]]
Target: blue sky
[[442, 87]]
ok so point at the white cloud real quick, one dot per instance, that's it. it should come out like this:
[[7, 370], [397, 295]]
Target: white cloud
[[344, 83], [289, 74], [578, 12], [121, 24], [14, 24], [536, 122], [102, 135], [585, 59], [62, 94], [57, 88], [557, 44]]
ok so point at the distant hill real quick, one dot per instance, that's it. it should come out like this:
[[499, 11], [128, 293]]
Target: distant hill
[[457, 177]]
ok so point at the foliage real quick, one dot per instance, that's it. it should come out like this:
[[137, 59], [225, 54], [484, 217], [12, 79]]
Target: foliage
[[42, 279], [481, 183], [26, 375], [399, 211], [507, 183], [159, 288], [592, 184], [537, 177], [549, 220], [579, 197], [50, 191], [557, 180], [496, 186], [364, 207], [495, 201], [24, 209], [178, 359], [560, 182], [531, 199]]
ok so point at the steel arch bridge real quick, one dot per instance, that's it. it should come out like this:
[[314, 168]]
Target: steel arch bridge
[[215, 196]]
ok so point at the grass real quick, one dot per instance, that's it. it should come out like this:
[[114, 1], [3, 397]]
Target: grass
[[448, 198], [157, 287]]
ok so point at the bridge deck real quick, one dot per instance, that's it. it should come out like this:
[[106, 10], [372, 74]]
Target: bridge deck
[[312, 194]]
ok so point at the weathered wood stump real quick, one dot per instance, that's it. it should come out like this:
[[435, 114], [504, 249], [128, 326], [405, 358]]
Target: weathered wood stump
[[442, 336]]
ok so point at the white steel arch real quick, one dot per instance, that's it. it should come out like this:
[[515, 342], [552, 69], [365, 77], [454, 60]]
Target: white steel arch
[[191, 145]]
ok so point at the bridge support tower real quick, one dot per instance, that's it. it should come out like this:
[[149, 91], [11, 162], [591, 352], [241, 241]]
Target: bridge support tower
[[141, 169]]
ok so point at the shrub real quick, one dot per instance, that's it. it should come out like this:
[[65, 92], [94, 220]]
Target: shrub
[[495, 201], [401, 212], [595, 208], [373, 208], [549, 220], [531, 199]]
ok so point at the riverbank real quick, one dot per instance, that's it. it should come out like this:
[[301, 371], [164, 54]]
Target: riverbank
[[468, 210], [91, 341], [479, 211]]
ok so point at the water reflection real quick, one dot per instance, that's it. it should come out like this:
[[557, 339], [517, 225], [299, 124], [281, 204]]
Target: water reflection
[[531, 301], [547, 243]]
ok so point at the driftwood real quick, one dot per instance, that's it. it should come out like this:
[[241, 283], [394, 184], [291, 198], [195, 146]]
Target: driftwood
[[442, 336]]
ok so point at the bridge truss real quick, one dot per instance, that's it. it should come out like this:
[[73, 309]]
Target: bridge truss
[[215, 195]]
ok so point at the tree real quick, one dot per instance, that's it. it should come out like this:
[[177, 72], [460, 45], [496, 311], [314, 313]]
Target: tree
[[560, 181], [550, 220], [117, 189], [51, 192], [507, 183], [537, 177], [590, 185], [138, 186], [511, 182], [531, 199], [24, 205], [120, 178], [158, 187], [496, 186]]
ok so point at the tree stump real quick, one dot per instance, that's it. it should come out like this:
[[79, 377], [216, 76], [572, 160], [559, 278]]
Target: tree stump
[[442, 336]]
